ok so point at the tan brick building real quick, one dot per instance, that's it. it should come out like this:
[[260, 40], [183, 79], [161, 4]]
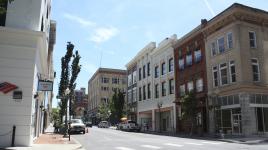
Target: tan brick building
[[236, 56], [101, 88]]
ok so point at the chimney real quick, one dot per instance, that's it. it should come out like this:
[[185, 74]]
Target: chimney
[[203, 22]]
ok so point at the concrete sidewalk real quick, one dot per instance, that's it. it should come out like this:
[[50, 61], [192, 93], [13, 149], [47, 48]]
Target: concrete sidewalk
[[246, 140], [51, 141]]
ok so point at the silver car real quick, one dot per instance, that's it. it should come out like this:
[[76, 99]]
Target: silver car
[[77, 125]]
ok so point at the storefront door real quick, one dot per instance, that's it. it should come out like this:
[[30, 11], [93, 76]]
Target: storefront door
[[236, 123]]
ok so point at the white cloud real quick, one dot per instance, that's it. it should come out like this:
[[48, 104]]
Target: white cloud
[[103, 34], [209, 8], [82, 21]]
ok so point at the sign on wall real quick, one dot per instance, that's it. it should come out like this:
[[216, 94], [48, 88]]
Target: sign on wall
[[45, 85], [17, 95]]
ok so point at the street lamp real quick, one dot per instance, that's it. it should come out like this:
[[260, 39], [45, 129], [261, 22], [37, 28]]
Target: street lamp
[[66, 93], [159, 105]]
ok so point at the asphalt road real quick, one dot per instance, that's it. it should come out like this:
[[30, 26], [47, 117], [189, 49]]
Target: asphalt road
[[109, 139]]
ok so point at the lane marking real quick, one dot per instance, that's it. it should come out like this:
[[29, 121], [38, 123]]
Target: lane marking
[[193, 143], [172, 144], [124, 148], [151, 146], [212, 142]]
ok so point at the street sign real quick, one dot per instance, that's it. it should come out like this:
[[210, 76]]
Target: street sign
[[45, 85]]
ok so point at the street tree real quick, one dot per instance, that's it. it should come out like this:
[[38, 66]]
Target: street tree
[[3, 4], [66, 81], [117, 106], [189, 109], [104, 111]]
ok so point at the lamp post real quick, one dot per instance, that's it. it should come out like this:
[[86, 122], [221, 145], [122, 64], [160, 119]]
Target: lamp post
[[66, 94], [159, 105]]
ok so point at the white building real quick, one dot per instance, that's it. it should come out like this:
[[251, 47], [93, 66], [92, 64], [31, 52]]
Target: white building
[[156, 86], [25, 58]]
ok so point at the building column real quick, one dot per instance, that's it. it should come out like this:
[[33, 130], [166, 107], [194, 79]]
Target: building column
[[153, 120], [174, 119], [248, 118]]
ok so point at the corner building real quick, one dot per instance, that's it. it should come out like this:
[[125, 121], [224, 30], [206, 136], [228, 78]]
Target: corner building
[[236, 53]]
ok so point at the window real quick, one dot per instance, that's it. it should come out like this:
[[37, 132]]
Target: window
[[139, 73], [215, 76], [255, 69], [129, 97], [197, 56], [115, 80], [148, 69], [181, 64], [144, 92], [139, 93], [221, 45], [189, 59], [144, 71], [156, 91], [171, 86], [252, 39], [163, 68], [190, 86], [182, 90], [42, 25], [104, 80], [104, 88], [164, 89], [199, 85], [223, 74], [149, 90], [230, 40], [170, 64], [213, 49], [156, 72], [232, 71], [129, 80], [134, 94], [134, 77]]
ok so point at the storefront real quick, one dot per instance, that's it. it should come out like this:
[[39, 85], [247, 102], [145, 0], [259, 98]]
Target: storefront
[[243, 114]]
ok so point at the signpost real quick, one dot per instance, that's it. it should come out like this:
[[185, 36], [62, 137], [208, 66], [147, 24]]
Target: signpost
[[45, 85]]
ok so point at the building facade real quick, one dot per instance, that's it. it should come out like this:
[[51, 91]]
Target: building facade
[[80, 104], [132, 91], [236, 54], [190, 71], [101, 88], [26, 58], [156, 86]]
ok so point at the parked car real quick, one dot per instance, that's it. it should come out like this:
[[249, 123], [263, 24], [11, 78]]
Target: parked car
[[88, 124], [77, 125], [103, 124], [128, 125]]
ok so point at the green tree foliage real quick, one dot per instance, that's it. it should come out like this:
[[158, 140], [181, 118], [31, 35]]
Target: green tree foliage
[[117, 106], [189, 109], [66, 81], [76, 68], [2, 5], [104, 111]]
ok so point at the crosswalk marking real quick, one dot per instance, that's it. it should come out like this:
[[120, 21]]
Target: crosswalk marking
[[123, 148], [151, 146], [212, 142], [194, 143], [172, 144]]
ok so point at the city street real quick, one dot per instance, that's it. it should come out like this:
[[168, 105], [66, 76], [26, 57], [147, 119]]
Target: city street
[[108, 139]]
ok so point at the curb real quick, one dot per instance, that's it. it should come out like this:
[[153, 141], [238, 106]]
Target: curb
[[80, 147]]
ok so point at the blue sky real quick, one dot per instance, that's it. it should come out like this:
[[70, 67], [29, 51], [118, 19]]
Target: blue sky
[[118, 29]]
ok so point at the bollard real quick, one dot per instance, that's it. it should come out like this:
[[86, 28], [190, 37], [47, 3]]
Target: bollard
[[13, 136]]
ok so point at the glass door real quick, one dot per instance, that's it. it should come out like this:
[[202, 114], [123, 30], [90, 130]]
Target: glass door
[[236, 123]]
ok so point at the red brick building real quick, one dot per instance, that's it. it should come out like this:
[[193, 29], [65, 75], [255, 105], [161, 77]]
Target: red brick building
[[190, 74]]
